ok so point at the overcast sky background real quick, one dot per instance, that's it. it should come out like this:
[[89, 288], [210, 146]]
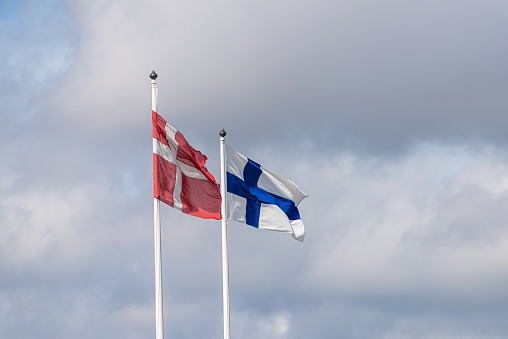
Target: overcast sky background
[[391, 115]]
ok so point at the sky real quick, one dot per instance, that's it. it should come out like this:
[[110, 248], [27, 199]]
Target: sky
[[391, 116]]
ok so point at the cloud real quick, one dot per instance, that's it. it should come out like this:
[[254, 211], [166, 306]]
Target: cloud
[[389, 116], [369, 77], [414, 204], [248, 326]]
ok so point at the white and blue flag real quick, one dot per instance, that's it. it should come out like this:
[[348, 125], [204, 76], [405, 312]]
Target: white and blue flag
[[262, 198]]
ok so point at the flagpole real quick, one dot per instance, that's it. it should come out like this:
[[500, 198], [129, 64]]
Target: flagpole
[[225, 263], [159, 319]]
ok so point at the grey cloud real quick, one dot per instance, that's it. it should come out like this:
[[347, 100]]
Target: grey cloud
[[365, 76], [325, 93]]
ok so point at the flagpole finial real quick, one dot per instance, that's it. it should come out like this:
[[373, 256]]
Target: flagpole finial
[[222, 133], [153, 75]]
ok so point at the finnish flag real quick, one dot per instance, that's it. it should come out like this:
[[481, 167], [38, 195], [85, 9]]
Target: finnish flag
[[262, 198]]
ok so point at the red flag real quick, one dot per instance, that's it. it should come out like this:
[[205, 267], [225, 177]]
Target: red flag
[[181, 179]]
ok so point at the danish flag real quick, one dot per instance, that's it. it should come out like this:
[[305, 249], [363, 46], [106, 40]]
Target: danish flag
[[181, 179]]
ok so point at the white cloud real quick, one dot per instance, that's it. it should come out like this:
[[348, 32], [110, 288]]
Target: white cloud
[[405, 235], [431, 224], [248, 325]]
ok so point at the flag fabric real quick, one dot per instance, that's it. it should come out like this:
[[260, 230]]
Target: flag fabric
[[262, 198], [181, 179]]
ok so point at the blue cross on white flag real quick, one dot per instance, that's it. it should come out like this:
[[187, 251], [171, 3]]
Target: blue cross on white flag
[[262, 198]]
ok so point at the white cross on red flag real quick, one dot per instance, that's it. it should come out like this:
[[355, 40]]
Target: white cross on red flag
[[181, 179]]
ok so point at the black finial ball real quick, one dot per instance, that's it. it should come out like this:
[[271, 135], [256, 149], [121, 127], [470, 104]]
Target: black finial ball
[[222, 133], [153, 75]]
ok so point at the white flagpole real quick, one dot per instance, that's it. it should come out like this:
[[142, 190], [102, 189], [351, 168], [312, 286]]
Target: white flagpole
[[225, 263], [159, 319]]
